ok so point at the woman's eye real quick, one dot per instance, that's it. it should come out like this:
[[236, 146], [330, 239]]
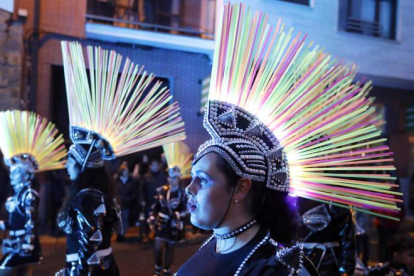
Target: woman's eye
[[203, 181]]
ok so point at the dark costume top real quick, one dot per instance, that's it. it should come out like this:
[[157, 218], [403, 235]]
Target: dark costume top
[[126, 192], [22, 247], [328, 236], [150, 182], [168, 213], [89, 225], [260, 256]]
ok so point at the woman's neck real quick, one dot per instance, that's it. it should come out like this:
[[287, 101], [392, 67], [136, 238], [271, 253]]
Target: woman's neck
[[237, 242]]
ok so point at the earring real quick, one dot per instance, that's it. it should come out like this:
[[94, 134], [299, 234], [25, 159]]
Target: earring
[[236, 201]]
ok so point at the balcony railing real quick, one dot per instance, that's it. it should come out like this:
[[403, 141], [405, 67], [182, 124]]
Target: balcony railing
[[194, 18]]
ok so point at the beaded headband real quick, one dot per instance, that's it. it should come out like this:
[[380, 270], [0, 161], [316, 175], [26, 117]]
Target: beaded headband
[[250, 148]]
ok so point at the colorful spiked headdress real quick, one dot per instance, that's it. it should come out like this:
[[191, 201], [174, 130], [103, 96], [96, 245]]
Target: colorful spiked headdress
[[284, 113], [179, 158], [115, 112], [29, 140]]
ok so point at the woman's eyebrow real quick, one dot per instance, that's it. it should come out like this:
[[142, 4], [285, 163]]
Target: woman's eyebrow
[[203, 173]]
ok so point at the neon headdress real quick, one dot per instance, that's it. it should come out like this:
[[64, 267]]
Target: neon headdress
[[115, 112], [285, 113], [179, 159], [29, 140]]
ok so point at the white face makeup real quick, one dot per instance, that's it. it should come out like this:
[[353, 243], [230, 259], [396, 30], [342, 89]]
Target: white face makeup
[[208, 193], [72, 169], [18, 175], [174, 182]]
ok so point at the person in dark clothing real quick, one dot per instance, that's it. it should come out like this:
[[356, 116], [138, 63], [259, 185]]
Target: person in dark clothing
[[22, 248], [276, 135], [126, 191], [150, 182], [30, 144], [90, 213], [328, 236], [88, 216], [167, 220]]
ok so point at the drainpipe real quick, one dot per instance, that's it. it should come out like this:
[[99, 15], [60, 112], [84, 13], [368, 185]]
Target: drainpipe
[[34, 53]]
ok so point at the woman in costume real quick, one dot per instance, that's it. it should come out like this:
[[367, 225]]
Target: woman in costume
[[29, 144], [169, 210], [105, 122], [281, 115]]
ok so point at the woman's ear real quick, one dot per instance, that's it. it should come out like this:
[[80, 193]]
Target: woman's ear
[[242, 189]]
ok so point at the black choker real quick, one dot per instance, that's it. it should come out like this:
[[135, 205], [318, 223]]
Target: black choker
[[236, 232]]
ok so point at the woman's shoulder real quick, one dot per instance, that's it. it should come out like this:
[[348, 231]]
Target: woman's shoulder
[[275, 259]]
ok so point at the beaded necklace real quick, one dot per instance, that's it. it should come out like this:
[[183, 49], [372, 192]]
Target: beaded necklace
[[243, 263], [236, 232]]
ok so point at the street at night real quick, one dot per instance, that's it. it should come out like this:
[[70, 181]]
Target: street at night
[[132, 258]]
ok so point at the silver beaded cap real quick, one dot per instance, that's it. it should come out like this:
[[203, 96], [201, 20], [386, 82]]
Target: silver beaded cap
[[250, 148]]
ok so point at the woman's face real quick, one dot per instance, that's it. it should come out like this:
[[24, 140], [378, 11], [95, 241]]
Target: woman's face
[[73, 169], [208, 193]]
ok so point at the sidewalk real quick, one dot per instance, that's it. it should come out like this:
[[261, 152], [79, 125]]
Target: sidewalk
[[133, 258]]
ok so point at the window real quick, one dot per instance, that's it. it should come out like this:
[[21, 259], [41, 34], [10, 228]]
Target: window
[[191, 18], [301, 2], [375, 18]]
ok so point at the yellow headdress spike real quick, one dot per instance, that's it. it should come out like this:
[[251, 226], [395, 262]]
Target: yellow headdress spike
[[30, 139], [179, 155], [119, 111]]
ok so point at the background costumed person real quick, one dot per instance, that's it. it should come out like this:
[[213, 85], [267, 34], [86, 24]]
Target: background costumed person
[[110, 116], [281, 115], [327, 233], [126, 188], [169, 210], [29, 144]]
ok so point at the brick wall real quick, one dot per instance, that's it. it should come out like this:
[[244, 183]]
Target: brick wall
[[11, 49], [57, 16]]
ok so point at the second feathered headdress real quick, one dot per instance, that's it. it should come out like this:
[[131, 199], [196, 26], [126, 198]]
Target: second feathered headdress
[[114, 111]]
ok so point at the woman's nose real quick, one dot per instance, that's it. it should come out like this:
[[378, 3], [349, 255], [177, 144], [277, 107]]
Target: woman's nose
[[189, 190]]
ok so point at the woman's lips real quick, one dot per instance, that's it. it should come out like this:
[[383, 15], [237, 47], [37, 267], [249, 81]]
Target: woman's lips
[[191, 206]]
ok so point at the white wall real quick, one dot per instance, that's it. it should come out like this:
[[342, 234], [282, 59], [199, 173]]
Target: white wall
[[7, 5], [376, 57]]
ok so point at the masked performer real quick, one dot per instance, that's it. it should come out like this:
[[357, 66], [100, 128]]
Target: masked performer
[[328, 236], [169, 209], [29, 144], [281, 115], [109, 117]]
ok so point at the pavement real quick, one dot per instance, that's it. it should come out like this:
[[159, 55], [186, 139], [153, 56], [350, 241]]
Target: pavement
[[133, 258]]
